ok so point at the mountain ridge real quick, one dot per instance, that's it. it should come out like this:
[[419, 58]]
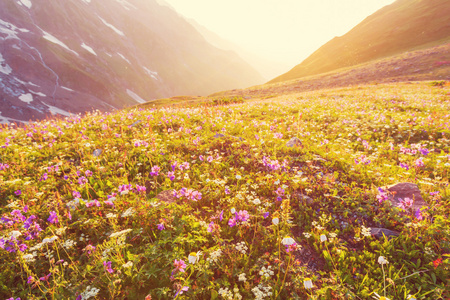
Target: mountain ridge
[[401, 26], [82, 55]]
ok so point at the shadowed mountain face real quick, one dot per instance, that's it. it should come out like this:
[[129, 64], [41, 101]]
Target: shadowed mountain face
[[77, 55], [402, 26]]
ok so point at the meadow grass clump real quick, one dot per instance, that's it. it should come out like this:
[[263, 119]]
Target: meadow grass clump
[[210, 202]]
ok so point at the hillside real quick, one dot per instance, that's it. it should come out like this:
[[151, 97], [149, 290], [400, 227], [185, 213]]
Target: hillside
[[430, 64], [82, 55], [403, 26], [268, 69], [331, 194]]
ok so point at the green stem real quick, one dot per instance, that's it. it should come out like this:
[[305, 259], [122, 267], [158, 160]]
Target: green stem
[[285, 274], [192, 272]]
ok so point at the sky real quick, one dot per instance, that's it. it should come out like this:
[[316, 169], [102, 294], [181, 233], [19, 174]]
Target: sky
[[283, 31]]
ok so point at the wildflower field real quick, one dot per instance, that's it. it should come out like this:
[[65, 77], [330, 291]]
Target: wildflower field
[[232, 199]]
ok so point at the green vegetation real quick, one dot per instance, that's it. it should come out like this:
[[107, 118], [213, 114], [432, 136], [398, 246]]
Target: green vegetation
[[210, 202]]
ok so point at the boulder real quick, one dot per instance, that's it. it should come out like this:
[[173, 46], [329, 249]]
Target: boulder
[[97, 152], [166, 196], [380, 232], [293, 142], [406, 190], [136, 123], [219, 135]]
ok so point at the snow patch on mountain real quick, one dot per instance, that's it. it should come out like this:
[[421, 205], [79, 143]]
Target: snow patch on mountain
[[127, 5], [27, 98], [111, 26], [54, 40], [10, 30], [135, 97], [26, 3], [66, 88], [38, 93], [124, 58], [30, 83], [4, 68], [57, 111], [86, 47], [86, 1], [152, 74]]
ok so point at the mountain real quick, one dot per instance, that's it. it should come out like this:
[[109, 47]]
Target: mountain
[[402, 26], [268, 69], [77, 55]]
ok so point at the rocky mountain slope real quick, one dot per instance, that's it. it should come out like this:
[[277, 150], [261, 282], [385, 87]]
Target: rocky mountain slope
[[77, 55], [402, 26]]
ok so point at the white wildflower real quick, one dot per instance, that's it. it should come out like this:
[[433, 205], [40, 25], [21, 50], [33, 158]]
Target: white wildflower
[[128, 213], [242, 277], [382, 260]]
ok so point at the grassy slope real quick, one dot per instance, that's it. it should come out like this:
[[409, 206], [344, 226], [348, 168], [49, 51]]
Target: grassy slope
[[432, 63], [402, 26], [337, 128]]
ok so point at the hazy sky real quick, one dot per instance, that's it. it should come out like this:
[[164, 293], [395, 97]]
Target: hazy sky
[[284, 31]]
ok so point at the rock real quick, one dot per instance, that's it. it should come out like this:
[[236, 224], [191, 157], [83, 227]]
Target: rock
[[166, 196], [237, 137], [302, 197], [97, 152], [294, 142], [219, 135], [406, 190], [136, 123], [379, 232]]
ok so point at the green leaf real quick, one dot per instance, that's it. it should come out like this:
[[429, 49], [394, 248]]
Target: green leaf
[[214, 295]]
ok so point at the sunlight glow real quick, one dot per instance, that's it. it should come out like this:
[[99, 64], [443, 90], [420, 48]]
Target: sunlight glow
[[285, 31]]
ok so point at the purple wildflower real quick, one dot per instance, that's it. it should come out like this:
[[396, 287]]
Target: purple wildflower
[[107, 266], [419, 162], [140, 188], [210, 227], [382, 195], [424, 151], [45, 278], [82, 180], [155, 171], [405, 203], [18, 192], [53, 218], [242, 216], [161, 226], [232, 222], [404, 166], [179, 265], [291, 247], [180, 291], [418, 214], [185, 166]]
